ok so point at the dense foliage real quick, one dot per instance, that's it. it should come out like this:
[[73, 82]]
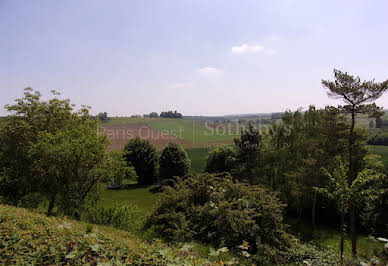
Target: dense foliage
[[49, 153], [378, 138], [140, 154], [117, 170], [248, 148], [173, 162], [171, 114], [221, 159], [214, 209], [103, 117], [120, 217]]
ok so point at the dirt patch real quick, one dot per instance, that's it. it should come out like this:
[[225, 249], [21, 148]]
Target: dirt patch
[[120, 134]]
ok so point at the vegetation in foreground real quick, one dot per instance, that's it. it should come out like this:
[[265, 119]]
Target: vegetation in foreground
[[30, 238]]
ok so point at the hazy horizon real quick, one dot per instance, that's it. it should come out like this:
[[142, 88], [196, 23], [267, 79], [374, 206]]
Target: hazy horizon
[[209, 58]]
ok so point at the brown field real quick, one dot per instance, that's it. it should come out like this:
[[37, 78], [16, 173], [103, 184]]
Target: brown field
[[120, 134]]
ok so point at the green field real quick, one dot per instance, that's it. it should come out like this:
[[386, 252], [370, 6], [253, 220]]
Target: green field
[[133, 195], [198, 158], [194, 131], [382, 151], [119, 121]]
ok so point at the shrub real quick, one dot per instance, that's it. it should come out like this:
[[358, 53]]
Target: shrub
[[173, 161], [123, 217], [214, 209], [220, 159], [142, 156]]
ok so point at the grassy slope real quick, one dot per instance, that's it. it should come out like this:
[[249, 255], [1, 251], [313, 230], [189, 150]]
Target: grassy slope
[[134, 195], [30, 238]]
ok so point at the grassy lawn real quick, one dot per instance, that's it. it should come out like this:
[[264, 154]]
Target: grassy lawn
[[198, 158], [381, 150]]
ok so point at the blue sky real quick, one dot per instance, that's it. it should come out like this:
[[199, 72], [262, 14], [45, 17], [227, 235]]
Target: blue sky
[[201, 57]]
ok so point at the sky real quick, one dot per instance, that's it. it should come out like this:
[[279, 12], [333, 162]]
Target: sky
[[200, 57]]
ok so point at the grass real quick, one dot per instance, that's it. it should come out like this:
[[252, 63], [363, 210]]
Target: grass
[[118, 121], [30, 238], [193, 131], [329, 238], [382, 151], [198, 158], [132, 195]]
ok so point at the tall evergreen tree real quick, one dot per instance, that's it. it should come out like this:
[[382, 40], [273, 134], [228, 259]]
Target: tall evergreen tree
[[359, 97]]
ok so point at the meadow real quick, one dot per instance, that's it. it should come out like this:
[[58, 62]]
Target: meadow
[[380, 150]]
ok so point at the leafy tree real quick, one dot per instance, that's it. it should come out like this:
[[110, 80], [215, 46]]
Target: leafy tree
[[296, 149], [248, 155], [140, 154], [103, 117], [154, 114], [49, 149], [358, 97], [220, 159], [171, 114], [118, 170], [173, 161], [364, 188]]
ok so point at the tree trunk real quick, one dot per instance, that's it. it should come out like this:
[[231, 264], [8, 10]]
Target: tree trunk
[[313, 212], [352, 217], [51, 205], [351, 177], [342, 237]]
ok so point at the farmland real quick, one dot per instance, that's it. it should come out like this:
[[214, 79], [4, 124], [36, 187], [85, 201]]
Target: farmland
[[160, 131]]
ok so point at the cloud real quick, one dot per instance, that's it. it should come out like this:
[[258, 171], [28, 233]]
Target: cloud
[[252, 49], [246, 48], [181, 85], [209, 71]]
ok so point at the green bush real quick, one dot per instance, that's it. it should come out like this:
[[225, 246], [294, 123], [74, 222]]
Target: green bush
[[173, 161], [220, 159], [140, 154], [213, 209], [123, 217]]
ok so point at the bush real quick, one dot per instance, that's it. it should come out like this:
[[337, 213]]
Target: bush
[[220, 159], [123, 217], [213, 209], [142, 156], [173, 161]]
